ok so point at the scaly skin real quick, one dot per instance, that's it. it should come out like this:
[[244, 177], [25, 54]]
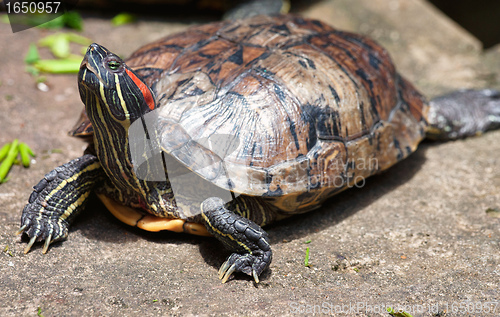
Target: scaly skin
[[249, 242], [58, 198], [464, 113]]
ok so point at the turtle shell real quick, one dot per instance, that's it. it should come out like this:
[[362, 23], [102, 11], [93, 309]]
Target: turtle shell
[[312, 110]]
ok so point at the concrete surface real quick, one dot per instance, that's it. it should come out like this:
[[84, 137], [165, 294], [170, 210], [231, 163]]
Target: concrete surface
[[417, 235]]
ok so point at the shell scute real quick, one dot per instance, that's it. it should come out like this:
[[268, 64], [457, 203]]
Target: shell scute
[[314, 109]]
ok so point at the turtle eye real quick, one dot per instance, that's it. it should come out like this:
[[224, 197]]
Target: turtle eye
[[114, 65]]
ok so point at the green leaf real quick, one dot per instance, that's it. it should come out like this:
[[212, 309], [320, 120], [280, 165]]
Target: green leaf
[[123, 18], [4, 151], [48, 40], [397, 314], [57, 23], [73, 20], [59, 43], [60, 46], [78, 39], [306, 259], [32, 56], [308, 241], [9, 160], [25, 152], [6, 250], [59, 66]]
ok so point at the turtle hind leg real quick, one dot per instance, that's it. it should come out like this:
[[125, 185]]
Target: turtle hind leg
[[464, 113], [249, 242]]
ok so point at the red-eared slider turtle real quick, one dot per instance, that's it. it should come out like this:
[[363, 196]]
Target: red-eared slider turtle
[[311, 111]]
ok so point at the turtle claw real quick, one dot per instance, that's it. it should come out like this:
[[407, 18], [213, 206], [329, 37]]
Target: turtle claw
[[44, 229], [223, 269], [226, 271], [255, 276], [47, 243], [21, 230], [224, 275], [30, 244], [249, 264]]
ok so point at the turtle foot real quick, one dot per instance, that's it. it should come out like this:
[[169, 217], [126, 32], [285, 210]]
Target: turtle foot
[[249, 242], [57, 199], [42, 230], [38, 223], [246, 263]]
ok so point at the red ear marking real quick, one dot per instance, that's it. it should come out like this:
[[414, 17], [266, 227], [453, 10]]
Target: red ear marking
[[146, 93]]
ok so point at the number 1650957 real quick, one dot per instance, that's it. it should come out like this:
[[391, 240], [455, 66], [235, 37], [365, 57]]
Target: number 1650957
[[32, 7]]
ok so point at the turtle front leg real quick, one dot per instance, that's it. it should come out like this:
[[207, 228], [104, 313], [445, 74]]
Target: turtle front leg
[[57, 199], [249, 242]]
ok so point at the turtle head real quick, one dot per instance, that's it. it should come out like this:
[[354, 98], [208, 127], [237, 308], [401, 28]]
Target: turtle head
[[114, 97], [110, 90]]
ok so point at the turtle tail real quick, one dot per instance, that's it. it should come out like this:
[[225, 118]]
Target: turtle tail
[[464, 113]]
